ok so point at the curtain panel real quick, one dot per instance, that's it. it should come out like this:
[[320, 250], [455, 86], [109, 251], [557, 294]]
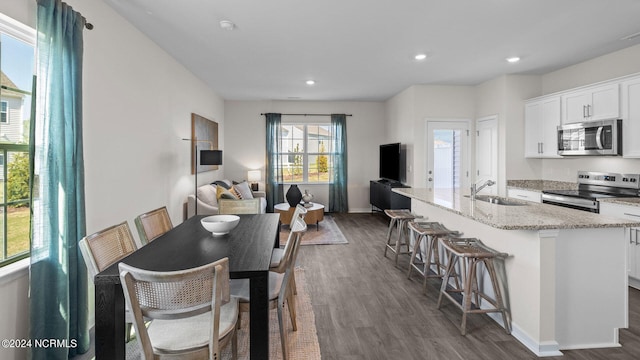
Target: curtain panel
[[58, 276], [273, 181], [338, 199]]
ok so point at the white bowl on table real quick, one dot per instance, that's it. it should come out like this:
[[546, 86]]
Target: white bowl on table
[[220, 224]]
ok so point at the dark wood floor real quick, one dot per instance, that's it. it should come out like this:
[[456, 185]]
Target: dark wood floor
[[366, 308]]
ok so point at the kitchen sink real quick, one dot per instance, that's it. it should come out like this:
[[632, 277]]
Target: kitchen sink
[[498, 200]]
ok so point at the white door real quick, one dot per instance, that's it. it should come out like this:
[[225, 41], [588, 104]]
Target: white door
[[487, 152], [447, 157]]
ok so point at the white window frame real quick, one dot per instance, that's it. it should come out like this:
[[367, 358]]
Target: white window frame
[[4, 112], [306, 154]]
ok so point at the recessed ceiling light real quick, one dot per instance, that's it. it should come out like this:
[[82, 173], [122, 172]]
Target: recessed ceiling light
[[310, 82], [227, 25], [513, 59], [420, 56]]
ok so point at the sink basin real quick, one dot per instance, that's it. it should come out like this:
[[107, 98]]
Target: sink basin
[[498, 200]]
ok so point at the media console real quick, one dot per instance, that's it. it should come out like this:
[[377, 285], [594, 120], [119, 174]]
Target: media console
[[382, 198]]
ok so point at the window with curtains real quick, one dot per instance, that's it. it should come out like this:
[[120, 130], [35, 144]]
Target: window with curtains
[[17, 44], [307, 153]]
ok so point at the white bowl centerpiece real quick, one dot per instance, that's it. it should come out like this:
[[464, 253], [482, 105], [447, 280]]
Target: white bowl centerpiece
[[220, 224]]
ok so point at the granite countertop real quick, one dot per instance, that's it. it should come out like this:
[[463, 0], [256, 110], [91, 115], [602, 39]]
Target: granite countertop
[[531, 216], [633, 201], [539, 185]]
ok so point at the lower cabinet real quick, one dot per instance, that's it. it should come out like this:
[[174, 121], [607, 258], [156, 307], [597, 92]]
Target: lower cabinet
[[632, 235], [527, 195]]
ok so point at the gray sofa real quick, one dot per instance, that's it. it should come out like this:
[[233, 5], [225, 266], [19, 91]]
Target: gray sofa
[[208, 202]]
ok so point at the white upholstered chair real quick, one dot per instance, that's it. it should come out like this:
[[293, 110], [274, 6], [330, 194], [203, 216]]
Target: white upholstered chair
[[192, 311]]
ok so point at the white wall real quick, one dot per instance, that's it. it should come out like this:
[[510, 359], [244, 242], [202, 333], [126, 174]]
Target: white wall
[[406, 120], [137, 107], [246, 149]]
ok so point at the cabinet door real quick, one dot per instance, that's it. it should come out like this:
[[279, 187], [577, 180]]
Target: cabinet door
[[605, 103], [527, 195], [532, 129], [549, 128], [574, 106], [631, 118]]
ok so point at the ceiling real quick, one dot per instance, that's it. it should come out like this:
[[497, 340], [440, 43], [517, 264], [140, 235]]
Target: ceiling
[[364, 49]]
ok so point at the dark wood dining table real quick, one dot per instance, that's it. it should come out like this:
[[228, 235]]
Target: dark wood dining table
[[189, 245]]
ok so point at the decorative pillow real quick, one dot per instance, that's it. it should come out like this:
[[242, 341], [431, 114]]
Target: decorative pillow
[[235, 193], [224, 183], [244, 190], [208, 194], [225, 194]]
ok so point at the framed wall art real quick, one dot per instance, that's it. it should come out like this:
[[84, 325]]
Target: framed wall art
[[204, 136]]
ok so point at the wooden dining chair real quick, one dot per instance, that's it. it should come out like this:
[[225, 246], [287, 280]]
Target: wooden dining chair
[[192, 311], [105, 247], [280, 285], [278, 253], [152, 224]]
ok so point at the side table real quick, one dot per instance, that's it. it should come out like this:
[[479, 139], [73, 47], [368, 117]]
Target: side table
[[315, 214]]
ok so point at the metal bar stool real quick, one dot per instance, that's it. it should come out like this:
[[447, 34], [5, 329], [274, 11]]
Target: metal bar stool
[[431, 232], [471, 252], [399, 219]]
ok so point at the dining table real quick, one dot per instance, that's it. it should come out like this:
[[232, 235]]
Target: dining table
[[248, 246]]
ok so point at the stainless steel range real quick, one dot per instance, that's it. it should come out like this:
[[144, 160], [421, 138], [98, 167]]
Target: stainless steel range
[[593, 186]]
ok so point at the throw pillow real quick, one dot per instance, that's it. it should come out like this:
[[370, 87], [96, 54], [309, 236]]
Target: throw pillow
[[225, 194], [208, 194], [244, 190], [223, 183]]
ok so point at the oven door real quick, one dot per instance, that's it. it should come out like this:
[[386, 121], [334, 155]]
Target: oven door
[[571, 202], [590, 138]]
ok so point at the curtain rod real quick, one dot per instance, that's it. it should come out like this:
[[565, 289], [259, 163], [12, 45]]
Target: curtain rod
[[308, 114]]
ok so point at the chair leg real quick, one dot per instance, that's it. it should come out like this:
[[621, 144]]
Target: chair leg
[[283, 339], [291, 304], [506, 317], [445, 278], [416, 249], [234, 345], [391, 224], [293, 283], [468, 273], [128, 332]]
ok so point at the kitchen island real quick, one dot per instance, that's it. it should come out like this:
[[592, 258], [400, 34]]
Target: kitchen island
[[566, 274]]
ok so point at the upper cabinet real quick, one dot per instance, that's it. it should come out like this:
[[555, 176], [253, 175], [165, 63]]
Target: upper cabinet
[[541, 120], [631, 117], [591, 104]]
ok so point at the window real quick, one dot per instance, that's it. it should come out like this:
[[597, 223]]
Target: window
[[307, 153], [4, 116], [17, 43]]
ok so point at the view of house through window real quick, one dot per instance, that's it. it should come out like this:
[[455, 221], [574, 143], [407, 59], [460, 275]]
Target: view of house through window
[[307, 153], [16, 79]]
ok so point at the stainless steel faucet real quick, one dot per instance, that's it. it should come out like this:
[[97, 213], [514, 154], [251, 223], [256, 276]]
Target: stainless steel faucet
[[475, 189]]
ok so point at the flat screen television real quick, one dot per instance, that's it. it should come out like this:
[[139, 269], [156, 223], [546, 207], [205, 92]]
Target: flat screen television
[[390, 161]]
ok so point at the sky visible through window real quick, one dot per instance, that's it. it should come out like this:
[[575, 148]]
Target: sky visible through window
[[16, 61]]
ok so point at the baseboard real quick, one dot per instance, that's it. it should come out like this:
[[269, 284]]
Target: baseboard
[[540, 349]]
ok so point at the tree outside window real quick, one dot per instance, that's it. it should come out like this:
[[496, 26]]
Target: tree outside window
[[306, 155]]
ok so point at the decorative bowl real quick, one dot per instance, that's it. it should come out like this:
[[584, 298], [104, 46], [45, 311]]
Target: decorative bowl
[[220, 224]]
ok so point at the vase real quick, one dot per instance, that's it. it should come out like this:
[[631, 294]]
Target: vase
[[306, 197], [293, 195]]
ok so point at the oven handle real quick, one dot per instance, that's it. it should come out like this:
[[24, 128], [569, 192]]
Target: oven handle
[[585, 203]]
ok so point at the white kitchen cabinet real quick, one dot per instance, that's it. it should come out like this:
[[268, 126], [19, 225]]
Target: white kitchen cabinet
[[631, 117], [527, 195], [591, 104], [541, 120], [632, 235]]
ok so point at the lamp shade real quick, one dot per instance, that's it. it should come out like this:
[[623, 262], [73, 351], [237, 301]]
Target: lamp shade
[[211, 157], [254, 175]]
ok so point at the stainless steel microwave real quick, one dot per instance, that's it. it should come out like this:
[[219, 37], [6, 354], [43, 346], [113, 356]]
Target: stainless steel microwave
[[591, 138]]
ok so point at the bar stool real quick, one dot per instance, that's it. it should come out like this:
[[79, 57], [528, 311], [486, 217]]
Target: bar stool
[[399, 219], [431, 232], [471, 252]]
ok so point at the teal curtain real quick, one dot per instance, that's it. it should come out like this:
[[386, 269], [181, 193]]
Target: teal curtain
[[338, 199], [274, 186], [58, 283]]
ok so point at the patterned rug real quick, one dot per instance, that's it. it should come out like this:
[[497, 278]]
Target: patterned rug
[[302, 344], [325, 233]]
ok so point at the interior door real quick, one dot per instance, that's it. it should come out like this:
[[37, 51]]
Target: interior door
[[447, 157], [487, 152]]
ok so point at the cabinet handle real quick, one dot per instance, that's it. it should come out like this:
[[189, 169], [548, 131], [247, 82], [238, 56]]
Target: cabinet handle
[[541, 148], [589, 114], [635, 215], [584, 111]]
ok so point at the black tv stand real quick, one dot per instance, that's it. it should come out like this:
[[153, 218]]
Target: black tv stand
[[382, 197]]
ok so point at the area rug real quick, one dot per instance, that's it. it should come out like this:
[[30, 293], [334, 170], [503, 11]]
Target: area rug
[[302, 344], [325, 233]]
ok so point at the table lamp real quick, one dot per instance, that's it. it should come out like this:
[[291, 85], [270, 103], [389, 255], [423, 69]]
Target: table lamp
[[254, 176]]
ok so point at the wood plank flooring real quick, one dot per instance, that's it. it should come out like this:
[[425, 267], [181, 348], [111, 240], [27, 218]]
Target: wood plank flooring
[[366, 308]]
